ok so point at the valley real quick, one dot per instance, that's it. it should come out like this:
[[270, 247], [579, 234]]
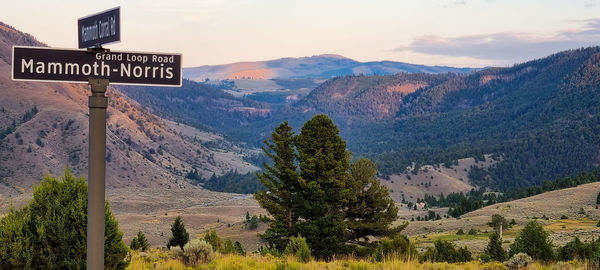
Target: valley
[[510, 141]]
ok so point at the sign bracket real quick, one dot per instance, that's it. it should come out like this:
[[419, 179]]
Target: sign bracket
[[97, 49]]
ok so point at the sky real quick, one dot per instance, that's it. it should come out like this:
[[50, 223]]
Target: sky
[[460, 33]]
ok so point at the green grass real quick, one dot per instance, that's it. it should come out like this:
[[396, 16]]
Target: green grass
[[452, 236], [565, 225]]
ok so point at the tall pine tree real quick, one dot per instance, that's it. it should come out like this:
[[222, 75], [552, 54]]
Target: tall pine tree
[[281, 183], [371, 211], [325, 186], [326, 201]]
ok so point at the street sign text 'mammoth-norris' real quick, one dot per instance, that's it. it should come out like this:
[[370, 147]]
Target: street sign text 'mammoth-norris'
[[47, 64]]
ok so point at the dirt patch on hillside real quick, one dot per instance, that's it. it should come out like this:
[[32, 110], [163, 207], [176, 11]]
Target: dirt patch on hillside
[[433, 179]]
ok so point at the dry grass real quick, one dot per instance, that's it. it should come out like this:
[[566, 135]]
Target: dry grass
[[157, 259]]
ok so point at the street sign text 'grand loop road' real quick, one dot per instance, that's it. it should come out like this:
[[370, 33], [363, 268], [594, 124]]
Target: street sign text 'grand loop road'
[[47, 64]]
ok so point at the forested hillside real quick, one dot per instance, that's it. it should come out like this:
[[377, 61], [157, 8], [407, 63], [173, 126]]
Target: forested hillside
[[538, 119], [198, 105]]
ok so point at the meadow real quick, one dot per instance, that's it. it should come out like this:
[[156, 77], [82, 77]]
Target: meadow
[[159, 259]]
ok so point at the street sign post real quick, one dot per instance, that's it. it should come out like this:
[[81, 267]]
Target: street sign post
[[63, 65], [98, 67], [100, 28]]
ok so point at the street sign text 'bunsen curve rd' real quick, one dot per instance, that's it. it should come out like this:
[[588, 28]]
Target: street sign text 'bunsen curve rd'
[[98, 67]]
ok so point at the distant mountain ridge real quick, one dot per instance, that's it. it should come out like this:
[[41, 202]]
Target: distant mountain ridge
[[318, 66], [537, 119]]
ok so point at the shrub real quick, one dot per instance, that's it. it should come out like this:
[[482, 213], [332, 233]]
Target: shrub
[[214, 240], [227, 247], [460, 232], [472, 232], [576, 249], [272, 251], [233, 248], [445, 251], [176, 252], [518, 261], [399, 246], [485, 257], [50, 232], [194, 253], [463, 255], [197, 252], [564, 217], [298, 247]]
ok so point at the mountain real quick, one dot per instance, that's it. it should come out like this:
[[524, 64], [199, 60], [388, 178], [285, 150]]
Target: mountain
[[319, 66], [536, 120], [43, 128], [198, 105], [284, 81]]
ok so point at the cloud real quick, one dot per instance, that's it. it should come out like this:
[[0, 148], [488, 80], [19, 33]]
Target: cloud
[[591, 4], [508, 46]]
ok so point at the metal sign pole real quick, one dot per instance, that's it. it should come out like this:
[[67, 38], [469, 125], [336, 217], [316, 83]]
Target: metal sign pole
[[98, 103]]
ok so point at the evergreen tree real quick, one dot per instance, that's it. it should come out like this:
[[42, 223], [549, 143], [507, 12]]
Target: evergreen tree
[[238, 249], [253, 223], [227, 247], [533, 240], [598, 198], [139, 242], [281, 183], [50, 232], [494, 248], [134, 245], [179, 236], [323, 202], [372, 210], [325, 186]]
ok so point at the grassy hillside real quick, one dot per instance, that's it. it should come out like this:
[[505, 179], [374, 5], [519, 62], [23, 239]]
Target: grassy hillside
[[43, 128]]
